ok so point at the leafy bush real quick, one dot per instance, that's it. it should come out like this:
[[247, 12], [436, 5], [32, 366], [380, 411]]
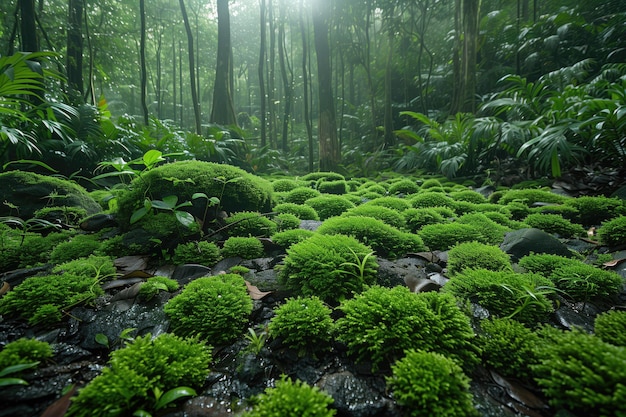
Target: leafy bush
[[591, 211], [581, 373], [582, 281], [387, 215], [289, 237], [430, 384], [214, 308], [381, 323], [41, 299], [531, 196], [303, 324], [79, 246], [300, 195], [443, 236], [395, 203], [610, 326], [153, 285], [492, 232], [289, 397], [475, 255], [432, 199], [92, 266], [404, 186], [613, 232], [554, 223], [24, 351], [286, 221], [66, 215], [524, 297], [201, 252], [417, 218], [332, 187], [508, 346], [329, 267], [327, 206], [140, 369], [301, 211], [385, 240], [243, 247], [246, 224]]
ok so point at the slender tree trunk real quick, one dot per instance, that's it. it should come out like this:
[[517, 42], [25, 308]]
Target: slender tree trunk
[[174, 81], [142, 58], [330, 155], [271, 76], [192, 66], [92, 57], [75, 46], [180, 84], [223, 111], [464, 60], [261, 72], [305, 85], [287, 75], [389, 137], [28, 26]]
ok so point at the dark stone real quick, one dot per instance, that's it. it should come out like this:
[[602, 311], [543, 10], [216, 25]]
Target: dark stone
[[184, 274], [404, 271], [522, 242]]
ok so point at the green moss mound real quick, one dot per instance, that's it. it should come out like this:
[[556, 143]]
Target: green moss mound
[[592, 211], [287, 238], [24, 193], [613, 232], [554, 224], [23, 351], [327, 206], [476, 255], [610, 326], [301, 211], [531, 196], [202, 252], [236, 189], [443, 236], [243, 247], [246, 224], [387, 215]]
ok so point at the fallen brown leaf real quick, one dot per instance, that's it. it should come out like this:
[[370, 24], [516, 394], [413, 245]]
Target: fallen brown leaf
[[60, 406], [5, 288], [255, 293]]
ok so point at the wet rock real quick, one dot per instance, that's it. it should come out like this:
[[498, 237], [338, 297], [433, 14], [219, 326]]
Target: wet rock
[[184, 274], [522, 242], [357, 397], [580, 315], [401, 271], [98, 222], [311, 225], [18, 276]]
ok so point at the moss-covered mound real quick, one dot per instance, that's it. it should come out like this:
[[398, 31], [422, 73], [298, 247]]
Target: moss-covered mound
[[24, 193], [236, 189]]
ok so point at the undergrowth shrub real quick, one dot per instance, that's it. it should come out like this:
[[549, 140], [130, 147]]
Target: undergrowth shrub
[[613, 232], [524, 297], [443, 236], [329, 267], [64, 214], [387, 215], [246, 224], [214, 308], [154, 285], [381, 323], [201, 252], [554, 224], [243, 247], [327, 206], [609, 326], [136, 370], [24, 350], [508, 346], [303, 324], [385, 240], [581, 373], [289, 397], [430, 384], [476, 255], [301, 211], [288, 237]]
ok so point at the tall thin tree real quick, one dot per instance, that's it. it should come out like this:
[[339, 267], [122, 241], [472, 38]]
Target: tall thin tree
[[142, 58], [261, 73], [223, 111], [75, 46], [192, 66]]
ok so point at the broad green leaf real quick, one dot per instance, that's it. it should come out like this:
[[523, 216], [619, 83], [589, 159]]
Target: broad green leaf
[[17, 368], [184, 218], [199, 195], [152, 157], [174, 394], [141, 413], [12, 381], [30, 161], [138, 215], [102, 339]]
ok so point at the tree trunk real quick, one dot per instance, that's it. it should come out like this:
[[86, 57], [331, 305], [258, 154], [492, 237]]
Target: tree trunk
[[464, 59], [389, 137], [261, 72], [223, 111], [330, 156], [75, 46], [305, 85], [28, 26], [142, 58], [287, 75], [192, 66]]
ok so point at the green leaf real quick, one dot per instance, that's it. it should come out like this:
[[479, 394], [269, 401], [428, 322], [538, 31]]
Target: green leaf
[[102, 339], [184, 218], [30, 161], [138, 215], [12, 381], [199, 195], [174, 394], [141, 413], [17, 368]]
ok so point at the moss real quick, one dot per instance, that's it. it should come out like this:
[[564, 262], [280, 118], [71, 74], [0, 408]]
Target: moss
[[286, 221], [443, 236], [395, 203], [475, 255], [430, 384], [431, 183], [610, 326], [508, 346], [554, 224], [243, 247], [404, 186], [432, 199], [492, 232], [327, 206], [332, 187], [91, 266], [381, 323], [592, 211], [417, 218], [246, 224], [301, 211], [329, 267], [469, 196], [79, 246], [288, 396], [300, 195], [154, 285], [385, 240], [532, 196], [214, 308], [303, 324], [285, 184], [581, 373], [544, 263], [613, 232], [24, 350], [64, 215], [582, 282], [387, 215], [524, 297], [323, 175], [236, 189], [202, 252], [36, 249], [288, 237]]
